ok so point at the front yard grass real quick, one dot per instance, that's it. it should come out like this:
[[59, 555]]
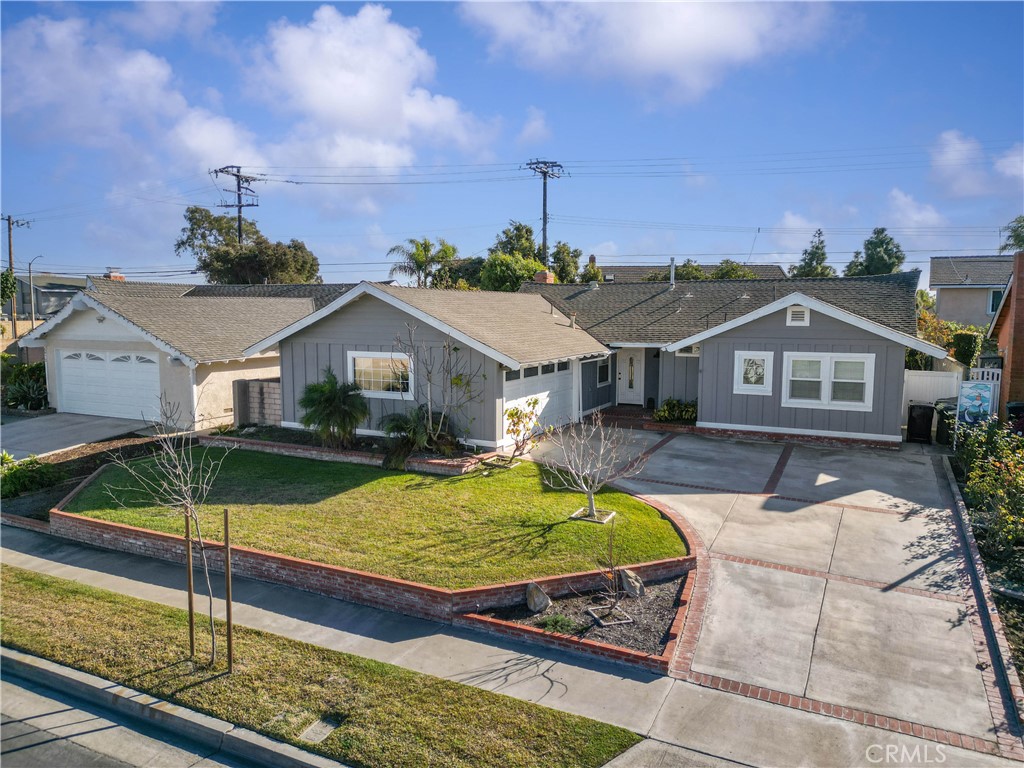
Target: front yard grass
[[450, 532], [388, 716]]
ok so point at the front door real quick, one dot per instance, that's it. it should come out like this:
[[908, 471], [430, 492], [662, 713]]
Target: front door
[[630, 369]]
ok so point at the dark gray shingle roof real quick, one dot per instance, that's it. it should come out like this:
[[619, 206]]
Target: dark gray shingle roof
[[322, 294], [649, 313], [638, 273], [970, 270], [517, 325]]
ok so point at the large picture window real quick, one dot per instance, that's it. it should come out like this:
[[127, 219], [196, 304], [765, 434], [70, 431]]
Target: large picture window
[[839, 382], [752, 373], [381, 374]]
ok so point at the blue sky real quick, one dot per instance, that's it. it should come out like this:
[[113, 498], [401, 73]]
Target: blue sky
[[683, 127]]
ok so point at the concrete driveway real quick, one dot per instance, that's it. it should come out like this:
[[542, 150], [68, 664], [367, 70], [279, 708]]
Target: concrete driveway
[[836, 575], [60, 431]]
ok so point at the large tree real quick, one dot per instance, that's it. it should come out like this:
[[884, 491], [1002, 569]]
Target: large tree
[[463, 274], [213, 241], [813, 261], [732, 270], [1014, 236], [506, 272], [565, 262], [517, 240], [882, 256], [420, 259]]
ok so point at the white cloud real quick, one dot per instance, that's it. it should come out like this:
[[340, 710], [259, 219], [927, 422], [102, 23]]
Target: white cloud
[[1011, 163], [793, 232], [535, 129], [682, 48], [906, 212], [162, 20], [958, 163], [607, 248]]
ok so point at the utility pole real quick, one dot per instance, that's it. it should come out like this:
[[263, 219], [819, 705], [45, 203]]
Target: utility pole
[[545, 168], [242, 189], [11, 224]]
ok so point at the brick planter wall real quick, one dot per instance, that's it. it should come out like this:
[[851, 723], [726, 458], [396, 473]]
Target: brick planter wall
[[775, 437]]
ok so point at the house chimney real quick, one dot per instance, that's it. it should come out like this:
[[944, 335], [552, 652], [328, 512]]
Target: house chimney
[[544, 277], [672, 273], [113, 274], [593, 260]]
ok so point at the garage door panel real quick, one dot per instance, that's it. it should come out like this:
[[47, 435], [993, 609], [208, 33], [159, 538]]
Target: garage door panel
[[119, 384], [554, 394]]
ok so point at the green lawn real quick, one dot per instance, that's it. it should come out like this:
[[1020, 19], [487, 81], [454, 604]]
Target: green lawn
[[448, 532], [388, 716]]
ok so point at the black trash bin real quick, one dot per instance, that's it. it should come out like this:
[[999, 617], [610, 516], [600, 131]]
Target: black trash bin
[[945, 408], [919, 422], [1014, 410]]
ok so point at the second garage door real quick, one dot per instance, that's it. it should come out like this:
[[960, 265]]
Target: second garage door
[[551, 384], [121, 384]]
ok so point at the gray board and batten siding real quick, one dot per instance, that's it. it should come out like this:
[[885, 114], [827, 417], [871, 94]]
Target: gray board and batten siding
[[717, 404], [370, 325], [680, 377], [595, 395]]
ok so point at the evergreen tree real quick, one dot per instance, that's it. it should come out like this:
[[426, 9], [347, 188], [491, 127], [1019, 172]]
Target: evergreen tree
[[882, 256], [812, 262]]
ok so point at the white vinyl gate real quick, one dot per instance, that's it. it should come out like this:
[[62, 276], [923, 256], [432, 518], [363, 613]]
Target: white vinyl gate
[[928, 386]]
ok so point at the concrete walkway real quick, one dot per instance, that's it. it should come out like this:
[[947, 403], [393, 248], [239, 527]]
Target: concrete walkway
[[60, 431], [685, 724]]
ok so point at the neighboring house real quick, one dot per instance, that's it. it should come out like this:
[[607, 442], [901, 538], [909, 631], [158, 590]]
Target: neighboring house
[[638, 273], [51, 291], [820, 357], [1007, 329], [968, 289], [117, 347], [507, 346]]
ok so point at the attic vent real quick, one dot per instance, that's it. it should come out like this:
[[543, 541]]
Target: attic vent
[[798, 316]]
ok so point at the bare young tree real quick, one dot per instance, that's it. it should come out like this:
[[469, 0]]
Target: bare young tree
[[178, 477], [588, 455], [444, 380]]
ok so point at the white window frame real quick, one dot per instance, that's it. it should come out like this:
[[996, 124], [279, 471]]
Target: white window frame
[[740, 388], [828, 361], [994, 305], [353, 354], [790, 320], [608, 380]]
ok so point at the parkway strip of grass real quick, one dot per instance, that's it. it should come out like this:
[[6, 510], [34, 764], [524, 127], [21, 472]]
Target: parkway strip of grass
[[388, 716], [486, 527]]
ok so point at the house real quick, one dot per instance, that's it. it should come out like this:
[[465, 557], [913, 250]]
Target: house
[[51, 293], [1007, 328], [968, 289], [818, 357], [638, 273], [117, 347], [405, 346]]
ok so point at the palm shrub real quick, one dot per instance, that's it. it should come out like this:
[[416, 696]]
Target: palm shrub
[[334, 409], [410, 431]]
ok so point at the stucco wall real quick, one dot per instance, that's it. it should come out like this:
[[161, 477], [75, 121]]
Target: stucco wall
[[963, 305], [370, 325], [718, 405], [213, 385]]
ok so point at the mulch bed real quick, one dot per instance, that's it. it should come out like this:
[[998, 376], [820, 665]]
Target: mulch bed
[[652, 614], [299, 437], [86, 459]]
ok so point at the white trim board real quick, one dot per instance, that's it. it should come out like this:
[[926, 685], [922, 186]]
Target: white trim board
[[83, 301], [796, 431], [819, 306]]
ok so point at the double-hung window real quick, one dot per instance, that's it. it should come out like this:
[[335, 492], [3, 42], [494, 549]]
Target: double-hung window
[[752, 373], [386, 375], [838, 382]]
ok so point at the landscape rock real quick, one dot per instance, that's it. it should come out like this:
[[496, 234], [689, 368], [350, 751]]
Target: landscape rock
[[631, 584], [536, 599]]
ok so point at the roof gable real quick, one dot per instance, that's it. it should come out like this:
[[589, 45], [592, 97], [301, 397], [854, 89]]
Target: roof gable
[[514, 329], [816, 305]]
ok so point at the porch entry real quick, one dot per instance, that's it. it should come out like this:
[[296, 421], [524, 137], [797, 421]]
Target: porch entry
[[630, 372]]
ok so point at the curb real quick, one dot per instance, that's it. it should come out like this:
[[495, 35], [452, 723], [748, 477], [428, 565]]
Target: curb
[[208, 731]]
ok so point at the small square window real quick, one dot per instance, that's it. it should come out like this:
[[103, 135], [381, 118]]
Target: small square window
[[752, 373], [604, 372], [798, 316], [529, 373], [563, 366], [547, 368]]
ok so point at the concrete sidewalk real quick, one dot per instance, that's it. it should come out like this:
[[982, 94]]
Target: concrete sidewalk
[[685, 724]]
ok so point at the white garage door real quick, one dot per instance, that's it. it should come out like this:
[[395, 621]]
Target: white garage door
[[121, 384], [551, 384]]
